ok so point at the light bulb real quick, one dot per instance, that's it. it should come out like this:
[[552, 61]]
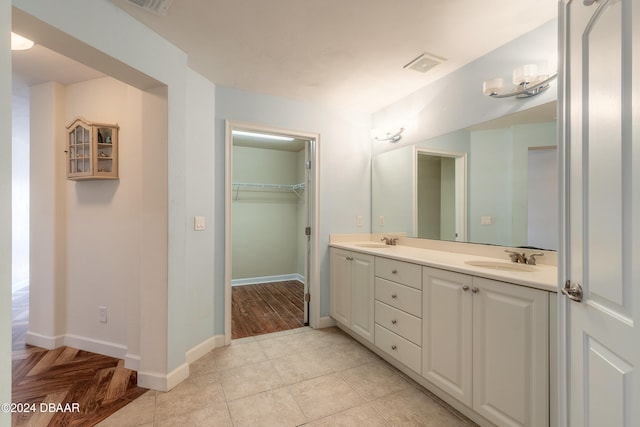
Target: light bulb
[[20, 43]]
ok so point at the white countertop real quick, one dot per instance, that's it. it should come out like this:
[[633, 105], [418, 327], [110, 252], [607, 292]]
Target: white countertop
[[544, 277]]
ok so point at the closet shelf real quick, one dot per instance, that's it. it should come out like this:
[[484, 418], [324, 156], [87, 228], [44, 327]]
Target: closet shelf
[[295, 188]]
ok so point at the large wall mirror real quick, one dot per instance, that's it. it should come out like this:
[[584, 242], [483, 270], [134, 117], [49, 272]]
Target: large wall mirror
[[493, 183]]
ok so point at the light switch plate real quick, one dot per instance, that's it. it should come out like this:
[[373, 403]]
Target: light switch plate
[[359, 220], [485, 220], [198, 223]]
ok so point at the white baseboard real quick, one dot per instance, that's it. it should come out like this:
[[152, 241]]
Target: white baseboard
[[178, 375], [201, 349], [162, 382], [326, 322], [152, 380], [82, 343], [106, 348], [39, 340], [132, 361], [267, 279]]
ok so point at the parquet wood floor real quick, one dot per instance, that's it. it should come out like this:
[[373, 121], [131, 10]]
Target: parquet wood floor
[[64, 386], [265, 308]]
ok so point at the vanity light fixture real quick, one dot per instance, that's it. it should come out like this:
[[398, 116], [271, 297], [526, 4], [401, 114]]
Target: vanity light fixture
[[19, 42], [388, 136], [262, 135], [527, 83]]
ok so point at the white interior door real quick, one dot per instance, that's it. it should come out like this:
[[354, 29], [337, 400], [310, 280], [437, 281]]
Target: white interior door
[[601, 226]]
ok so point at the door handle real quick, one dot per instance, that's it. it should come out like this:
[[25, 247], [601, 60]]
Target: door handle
[[573, 291]]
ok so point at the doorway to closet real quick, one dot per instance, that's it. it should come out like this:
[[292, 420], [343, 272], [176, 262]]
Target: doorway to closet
[[270, 206]]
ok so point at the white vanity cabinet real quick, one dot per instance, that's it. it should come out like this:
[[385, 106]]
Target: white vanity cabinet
[[351, 288], [398, 311], [486, 343]]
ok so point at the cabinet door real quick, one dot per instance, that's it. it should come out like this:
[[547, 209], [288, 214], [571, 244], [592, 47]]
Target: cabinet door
[[340, 277], [362, 295], [510, 354], [447, 332]]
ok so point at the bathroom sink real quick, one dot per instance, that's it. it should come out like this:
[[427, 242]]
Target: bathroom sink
[[501, 265], [372, 245]]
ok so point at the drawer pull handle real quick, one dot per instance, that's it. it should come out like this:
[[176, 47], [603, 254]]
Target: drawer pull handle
[[394, 296], [349, 258], [393, 347], [475, 290], [394, 271], [394, 321], [465, 288]]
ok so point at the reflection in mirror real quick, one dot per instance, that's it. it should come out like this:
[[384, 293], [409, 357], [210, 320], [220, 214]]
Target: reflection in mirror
[[510, 179], [440, 195]]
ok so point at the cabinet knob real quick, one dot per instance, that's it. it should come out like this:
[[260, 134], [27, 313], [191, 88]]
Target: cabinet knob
[[393, 347], [475, 290], [349, 258], [465, 288], [394, 271], [394, 321], [394, 296]]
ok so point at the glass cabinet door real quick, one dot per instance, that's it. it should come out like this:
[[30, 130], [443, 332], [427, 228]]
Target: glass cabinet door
[[79, 151]]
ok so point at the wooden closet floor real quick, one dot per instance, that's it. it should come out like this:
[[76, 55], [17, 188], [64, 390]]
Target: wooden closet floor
[[266, 307], [97, 385]]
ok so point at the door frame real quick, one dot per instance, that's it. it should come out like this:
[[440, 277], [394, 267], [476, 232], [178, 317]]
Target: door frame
[[313, 276], [460, 185]]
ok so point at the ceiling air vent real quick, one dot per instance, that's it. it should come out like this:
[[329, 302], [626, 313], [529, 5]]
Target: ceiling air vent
[[159, 7], [424, 63]]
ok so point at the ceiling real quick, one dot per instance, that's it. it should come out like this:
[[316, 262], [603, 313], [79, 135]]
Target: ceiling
[[340, 53]]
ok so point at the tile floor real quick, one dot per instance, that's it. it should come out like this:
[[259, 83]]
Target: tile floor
[[291, 378]]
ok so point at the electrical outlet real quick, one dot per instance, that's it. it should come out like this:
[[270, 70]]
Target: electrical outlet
[[485, 220], [359, 221], [102, 314], [381, 221]]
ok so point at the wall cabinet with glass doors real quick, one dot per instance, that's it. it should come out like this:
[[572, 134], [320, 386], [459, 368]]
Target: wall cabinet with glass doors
[[92, 150]]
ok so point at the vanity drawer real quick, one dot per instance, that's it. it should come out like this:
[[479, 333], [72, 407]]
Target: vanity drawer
[[399, 271], [399, 322], [399, 348], [399, 296]]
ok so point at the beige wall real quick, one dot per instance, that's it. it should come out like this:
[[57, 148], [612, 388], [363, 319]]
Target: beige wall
[[94, 244]]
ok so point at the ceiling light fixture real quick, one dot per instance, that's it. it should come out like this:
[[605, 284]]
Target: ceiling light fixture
[[20, 43], [261, 135], [388, 136], [527, 83]]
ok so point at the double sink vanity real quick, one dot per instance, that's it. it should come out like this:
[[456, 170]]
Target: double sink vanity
[[463, 320]]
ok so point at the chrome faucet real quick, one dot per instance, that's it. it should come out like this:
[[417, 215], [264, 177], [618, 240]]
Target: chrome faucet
[[523, 258], [389, 240]]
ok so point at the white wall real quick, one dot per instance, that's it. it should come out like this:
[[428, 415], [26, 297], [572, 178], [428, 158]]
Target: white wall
[[20, 182], [527, 136], [344, 147], [490, 186], [198, 288], [47, 299], [498, 181], [5, 211]]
